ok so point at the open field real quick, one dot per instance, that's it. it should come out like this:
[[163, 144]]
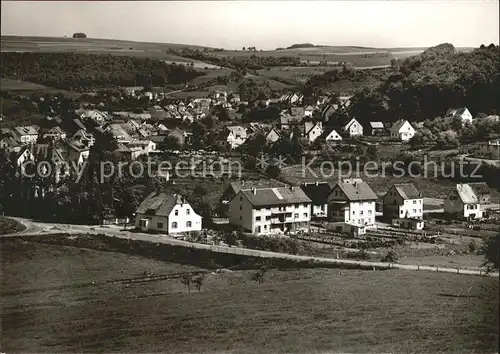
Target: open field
[[8, 226], [49, 304], [93, 46], [27, 88]]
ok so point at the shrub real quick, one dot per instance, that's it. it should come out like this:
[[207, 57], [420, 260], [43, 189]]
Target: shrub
[[390, 257]]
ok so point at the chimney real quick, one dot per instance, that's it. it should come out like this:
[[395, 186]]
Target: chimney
[[254, 191]]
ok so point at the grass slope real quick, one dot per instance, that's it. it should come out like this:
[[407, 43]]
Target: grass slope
[[8, 226], [50, 305]]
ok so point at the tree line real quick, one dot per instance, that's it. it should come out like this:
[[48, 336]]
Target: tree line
[[78, 72]]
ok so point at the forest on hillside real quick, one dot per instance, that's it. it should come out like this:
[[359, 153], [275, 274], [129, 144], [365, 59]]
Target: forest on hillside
[[425, 86], [77, 72]]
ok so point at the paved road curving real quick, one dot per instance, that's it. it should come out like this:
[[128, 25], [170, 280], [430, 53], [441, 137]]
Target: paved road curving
[[34, 229]]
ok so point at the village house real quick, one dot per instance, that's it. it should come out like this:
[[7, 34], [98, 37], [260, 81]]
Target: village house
[[144, 146], [235, 187], [95, 115], [273, 136], [178, 135], [403, 206], [377, 128], [352, 128], [402, 130], [83, 138], [23, 156], [271, 210], [119, 133], [234, 136], [292, 98], [318, 193], [490, 148], [168, 213], [308, 111], [462, 113], [330, 134], [77, 152], [26, 134], [482, 191], [312, 130], [55, 133], [463, 203], [352, 201]]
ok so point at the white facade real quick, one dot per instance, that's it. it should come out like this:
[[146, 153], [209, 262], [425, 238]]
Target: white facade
[[403, 131], [26, 135], [355, 212], [269, 219], [314, 133], [455, 205], [181, 219], [491, 147], [353, 128], [273, 136], [395, 206], [333, 136]]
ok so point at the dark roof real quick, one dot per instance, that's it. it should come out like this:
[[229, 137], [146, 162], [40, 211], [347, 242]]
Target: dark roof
[[160, 203], [480, 188], [355, 189], [318, 192], [407, 191], [275, 196], [235, 187]]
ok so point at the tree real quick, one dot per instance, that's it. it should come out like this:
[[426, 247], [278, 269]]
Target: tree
[[187, 279], [491, 251], [273, 171], [244, 48], [79, 35], [259, 276], [230, 238]]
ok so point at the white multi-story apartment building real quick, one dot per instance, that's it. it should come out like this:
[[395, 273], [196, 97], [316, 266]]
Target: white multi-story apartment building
[[403, 200], [270, 210], [352, 201], [26, 135], [165, 212], [463, 203]]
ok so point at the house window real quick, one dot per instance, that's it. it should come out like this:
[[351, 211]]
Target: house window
[[361, 212], [414, 210], [305, 215], [174, 225], [414, 202], [402, 212], [188, 211], [257, 218], [241, 208], [369, 212], [353, 212], [188, 223], [159, 225], [296, 215], [176, 212], [241, 198]]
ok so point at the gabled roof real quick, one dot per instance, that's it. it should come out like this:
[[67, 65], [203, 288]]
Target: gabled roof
[[160, 203], [377, 125], [350, 122], [456, 111], [327, 132], [26, 130], [275, 196], [407, 191], [318, 192], [467, 194], [398, 125], [480, 188], [355, 190]]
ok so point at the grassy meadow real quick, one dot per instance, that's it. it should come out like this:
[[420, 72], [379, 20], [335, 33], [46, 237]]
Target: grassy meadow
[[67, 299]]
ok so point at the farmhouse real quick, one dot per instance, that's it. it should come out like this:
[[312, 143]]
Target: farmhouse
[[482, 190], [318, 193], [376, 128], [27, 134], [55, 133], [312, 130], [331, 134], [273, 135], [462, 113], [167, 212], [270, 210], [235, 136], [463, 203], [402, 130], [403, 200], [352, 201], [352, 128]]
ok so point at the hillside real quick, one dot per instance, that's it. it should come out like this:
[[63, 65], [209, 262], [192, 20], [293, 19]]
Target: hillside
[[76, 71], [425, 86]]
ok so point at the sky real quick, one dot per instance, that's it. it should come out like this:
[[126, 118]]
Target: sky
[[263, 24]]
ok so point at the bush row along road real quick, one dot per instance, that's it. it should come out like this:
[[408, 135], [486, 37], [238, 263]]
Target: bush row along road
[[38, 229]]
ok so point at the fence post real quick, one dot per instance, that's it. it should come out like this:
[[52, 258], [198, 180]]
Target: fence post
[[437, 269], [458, 270], [418, 266]]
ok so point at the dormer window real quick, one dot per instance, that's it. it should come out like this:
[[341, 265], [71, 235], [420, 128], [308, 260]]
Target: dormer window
[[176, 212]]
